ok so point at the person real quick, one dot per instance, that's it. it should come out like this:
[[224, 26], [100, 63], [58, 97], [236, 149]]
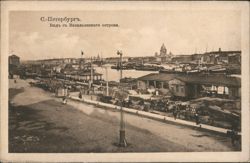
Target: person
[[161, 105], [234, 134], [152, 104], [211, 119], [64, 100], [187, 112], [197, 118], [129, 103], [80, 94], [178, 111], [175, 113], [123, 103], [166, 106]]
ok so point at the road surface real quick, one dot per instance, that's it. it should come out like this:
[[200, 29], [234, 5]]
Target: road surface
[[39, 122]]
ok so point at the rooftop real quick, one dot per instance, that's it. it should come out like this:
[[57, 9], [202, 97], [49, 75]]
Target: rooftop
[[14, 56], [211, 79], [195, 79], [223, 52], [158, 77]]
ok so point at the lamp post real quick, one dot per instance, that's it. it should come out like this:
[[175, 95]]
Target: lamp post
[[123, 142]]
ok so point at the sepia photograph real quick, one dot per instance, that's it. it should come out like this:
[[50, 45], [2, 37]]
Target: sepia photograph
[[161, 78]]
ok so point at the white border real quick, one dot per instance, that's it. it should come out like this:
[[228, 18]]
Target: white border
[[114, 5]]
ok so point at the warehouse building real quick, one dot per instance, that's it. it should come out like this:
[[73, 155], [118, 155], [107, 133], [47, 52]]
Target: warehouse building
[[193, 86]]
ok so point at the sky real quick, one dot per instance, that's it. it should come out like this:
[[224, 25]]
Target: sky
[[140, 33]]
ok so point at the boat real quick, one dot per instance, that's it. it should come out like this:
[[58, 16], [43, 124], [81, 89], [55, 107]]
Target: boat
[[123, 67], [148, 68], [168, 71], [219, 70], [126, 66]]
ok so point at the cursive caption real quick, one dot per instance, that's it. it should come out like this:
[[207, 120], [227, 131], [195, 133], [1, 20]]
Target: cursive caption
[[64, 22]]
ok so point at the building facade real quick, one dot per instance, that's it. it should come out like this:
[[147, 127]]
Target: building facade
[[193, 86], [163, 56], [213, 57], [200, 86], [14, 60]]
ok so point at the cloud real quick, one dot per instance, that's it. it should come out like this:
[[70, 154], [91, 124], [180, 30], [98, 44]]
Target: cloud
[[140, 33], [32, 45]]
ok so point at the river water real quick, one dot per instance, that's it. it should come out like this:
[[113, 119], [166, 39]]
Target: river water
[[114, 75]]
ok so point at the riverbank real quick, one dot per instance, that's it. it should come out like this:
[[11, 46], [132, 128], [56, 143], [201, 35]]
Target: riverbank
[[39, 122]]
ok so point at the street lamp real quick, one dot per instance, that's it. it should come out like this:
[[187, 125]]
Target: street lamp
[[123, 142]]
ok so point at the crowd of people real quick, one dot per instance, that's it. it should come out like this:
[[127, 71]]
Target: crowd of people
[[172, 108]]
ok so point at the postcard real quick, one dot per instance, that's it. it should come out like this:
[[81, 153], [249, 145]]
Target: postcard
[[124, 81]]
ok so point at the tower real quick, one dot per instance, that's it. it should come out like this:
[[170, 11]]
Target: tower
[[98, 57], [163, 50]]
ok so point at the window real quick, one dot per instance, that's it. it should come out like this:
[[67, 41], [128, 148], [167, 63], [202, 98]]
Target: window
[[182, 89], [177, 88], [165, 85], [226, 91]]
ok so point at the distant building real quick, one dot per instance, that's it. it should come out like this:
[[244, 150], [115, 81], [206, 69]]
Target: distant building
[[213, 57], [115, 60], [142, 60], [85, 76], [154, 80], [163, 50], [112, 60], [14, 60], [14, 66], [182, 58], [234, 58], [221, 57], [163, 56], [55, 61], [192, 86]]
